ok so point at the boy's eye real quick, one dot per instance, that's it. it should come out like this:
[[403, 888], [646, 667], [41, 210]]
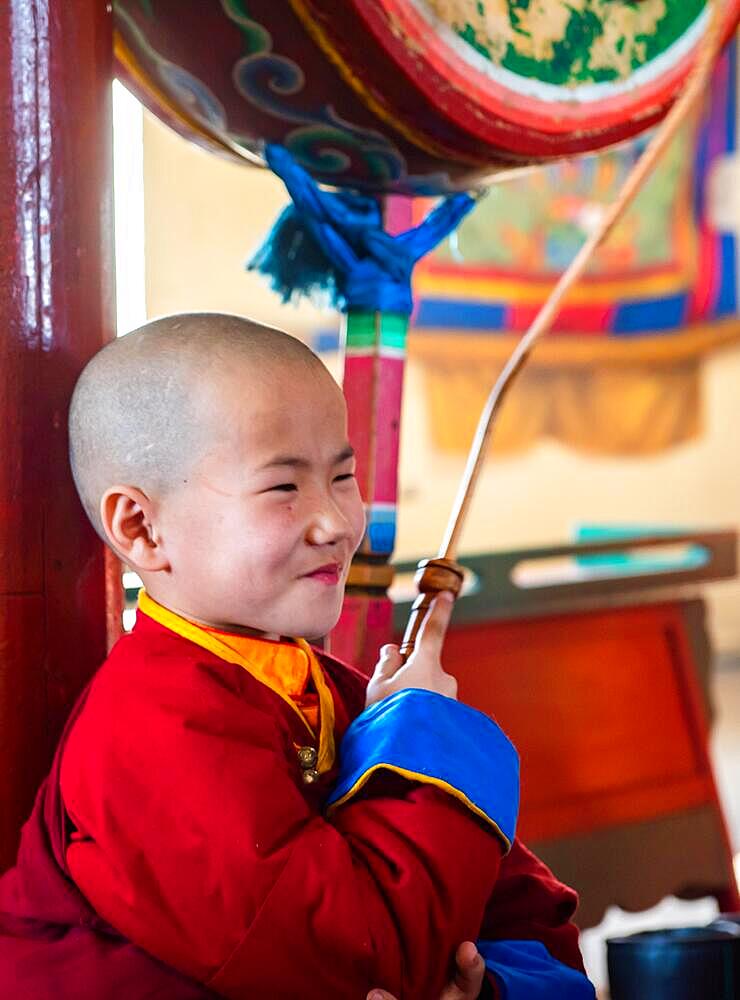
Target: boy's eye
[[344, 477], [283, 488]]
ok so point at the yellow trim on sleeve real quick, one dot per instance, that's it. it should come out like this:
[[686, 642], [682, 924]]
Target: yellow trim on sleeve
[[427, 780], [208, 640]]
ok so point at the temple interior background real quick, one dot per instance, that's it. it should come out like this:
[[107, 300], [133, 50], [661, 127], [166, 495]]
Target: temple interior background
[[187, 221], [598, 572]]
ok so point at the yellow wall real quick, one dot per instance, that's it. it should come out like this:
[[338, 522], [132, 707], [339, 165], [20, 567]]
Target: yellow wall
[[203, 217]]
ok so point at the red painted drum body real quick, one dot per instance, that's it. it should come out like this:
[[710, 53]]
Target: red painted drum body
[[414, 96]]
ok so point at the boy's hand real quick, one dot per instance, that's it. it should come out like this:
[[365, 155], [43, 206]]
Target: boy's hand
[[466, 983], [423, 668]]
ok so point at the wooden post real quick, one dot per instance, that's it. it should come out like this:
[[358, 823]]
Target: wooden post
[[375, 353], [56, 298]]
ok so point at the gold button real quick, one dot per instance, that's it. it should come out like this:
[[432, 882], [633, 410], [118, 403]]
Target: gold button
[[310, 775], [307, 757]]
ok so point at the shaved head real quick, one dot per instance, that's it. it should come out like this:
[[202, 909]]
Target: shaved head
[[146, 406]]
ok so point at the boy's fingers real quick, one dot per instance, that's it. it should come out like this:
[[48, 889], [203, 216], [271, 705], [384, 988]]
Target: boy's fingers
[[469, 972], [468, 980], [434, 627], [389, 663], [466, 954]]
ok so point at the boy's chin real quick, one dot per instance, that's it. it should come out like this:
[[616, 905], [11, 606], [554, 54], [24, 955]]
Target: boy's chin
[[316, 626], [317, 630]]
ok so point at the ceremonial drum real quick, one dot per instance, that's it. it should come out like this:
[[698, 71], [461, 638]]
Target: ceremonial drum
[[415, 96]]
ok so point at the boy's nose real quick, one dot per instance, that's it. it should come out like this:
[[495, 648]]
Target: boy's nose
[[328, 525]]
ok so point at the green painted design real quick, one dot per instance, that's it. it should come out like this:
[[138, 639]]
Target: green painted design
[[674, 24], [256, 38], [325, 147], [322, 141], [535, 224], [569, 42], [361, 330]]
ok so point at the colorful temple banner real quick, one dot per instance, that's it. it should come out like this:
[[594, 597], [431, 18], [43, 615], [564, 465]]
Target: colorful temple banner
[[619, 371]]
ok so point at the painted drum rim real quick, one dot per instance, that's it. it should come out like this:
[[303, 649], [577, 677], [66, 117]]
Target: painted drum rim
[[515, 124], [549, 94], [492, 138]]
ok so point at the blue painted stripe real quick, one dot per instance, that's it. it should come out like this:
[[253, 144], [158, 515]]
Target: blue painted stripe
[[701, 170], [381, 537], [325, 340], [650, 315], [726, 304], [438, 740], [525, 970], [731, 110], [447, 313], [381, 528]]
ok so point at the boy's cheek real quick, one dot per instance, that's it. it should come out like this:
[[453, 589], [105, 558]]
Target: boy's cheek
[[358, 523], [358, 519]]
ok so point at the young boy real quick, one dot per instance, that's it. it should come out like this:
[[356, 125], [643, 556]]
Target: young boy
[[231, 812]]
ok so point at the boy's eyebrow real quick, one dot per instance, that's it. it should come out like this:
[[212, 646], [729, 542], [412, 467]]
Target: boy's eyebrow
[[301, 463], [344, 455]]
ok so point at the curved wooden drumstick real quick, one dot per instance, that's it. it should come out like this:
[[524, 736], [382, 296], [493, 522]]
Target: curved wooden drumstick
[[443, 573]]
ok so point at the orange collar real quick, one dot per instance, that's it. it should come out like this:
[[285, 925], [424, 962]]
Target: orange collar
[[284, 667]]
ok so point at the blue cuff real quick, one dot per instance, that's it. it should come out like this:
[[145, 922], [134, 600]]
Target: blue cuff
[[439, 741], [525, 970]]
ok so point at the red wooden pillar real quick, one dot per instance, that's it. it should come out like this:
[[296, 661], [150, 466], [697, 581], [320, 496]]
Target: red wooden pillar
[[375, 355], [56, 297]]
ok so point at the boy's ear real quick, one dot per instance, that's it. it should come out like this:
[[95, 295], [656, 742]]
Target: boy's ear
[[127, 518]]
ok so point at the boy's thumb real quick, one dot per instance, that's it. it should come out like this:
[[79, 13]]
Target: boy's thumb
[[389, 663], [434, 627]]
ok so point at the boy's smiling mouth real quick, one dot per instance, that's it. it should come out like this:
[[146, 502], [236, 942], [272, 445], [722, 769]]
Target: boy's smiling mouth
[[329, 574]]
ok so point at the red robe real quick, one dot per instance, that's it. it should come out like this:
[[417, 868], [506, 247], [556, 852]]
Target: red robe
[[175, 814]]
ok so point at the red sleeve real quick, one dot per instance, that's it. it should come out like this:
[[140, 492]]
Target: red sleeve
[[529, 903], [197, 842]]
